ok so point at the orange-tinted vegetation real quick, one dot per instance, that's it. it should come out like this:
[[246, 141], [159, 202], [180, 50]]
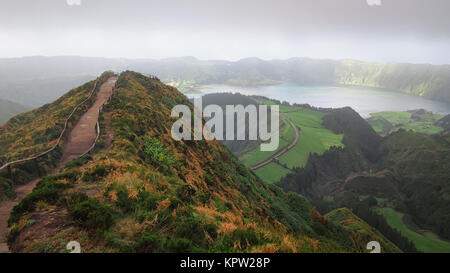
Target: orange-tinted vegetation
[[145, 192]]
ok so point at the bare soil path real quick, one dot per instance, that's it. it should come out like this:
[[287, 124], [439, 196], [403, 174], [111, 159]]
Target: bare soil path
[[80, 140], [84, 133]]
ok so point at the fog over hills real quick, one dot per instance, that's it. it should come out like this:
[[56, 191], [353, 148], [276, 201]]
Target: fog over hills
[[9, 109], [397, 30], [34, 81]]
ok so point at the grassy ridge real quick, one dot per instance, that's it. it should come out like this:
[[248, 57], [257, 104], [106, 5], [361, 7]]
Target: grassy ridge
[[34, 131], [147, 192], [361, 230]]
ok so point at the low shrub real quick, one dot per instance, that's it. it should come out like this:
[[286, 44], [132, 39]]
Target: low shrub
[[13, 232], [78, 162], [147, 243], [185, 193], [6, 188], [155, 153], [97, 173], [190, 228], [93, 215], [179, 245], [72, 200], [47, 190]]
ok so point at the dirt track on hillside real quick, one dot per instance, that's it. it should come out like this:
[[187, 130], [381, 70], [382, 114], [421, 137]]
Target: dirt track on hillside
[[281, 151], [84, 133], [81, 138]]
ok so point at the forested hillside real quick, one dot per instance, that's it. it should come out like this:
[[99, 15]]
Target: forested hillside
[[405, 173]]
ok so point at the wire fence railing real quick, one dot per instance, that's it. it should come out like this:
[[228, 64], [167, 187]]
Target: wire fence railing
[[58, 140]]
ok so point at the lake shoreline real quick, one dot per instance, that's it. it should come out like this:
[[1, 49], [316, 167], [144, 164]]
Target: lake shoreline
[[364, 100]]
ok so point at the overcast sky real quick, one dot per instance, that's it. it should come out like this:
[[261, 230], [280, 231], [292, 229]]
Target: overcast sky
[[415, 31]]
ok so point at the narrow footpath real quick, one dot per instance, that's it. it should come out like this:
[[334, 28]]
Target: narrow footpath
[[80, 140]]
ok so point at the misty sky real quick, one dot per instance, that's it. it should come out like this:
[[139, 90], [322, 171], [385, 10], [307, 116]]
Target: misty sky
[[415, 31]]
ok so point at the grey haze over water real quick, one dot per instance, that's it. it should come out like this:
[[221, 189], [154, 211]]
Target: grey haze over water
[[363, 100]]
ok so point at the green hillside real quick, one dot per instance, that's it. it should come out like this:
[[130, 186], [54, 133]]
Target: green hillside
[[406, 171], [428, 81], [420, 121], [360, 229], [427, 241], [314, 139], [145, 192], [31, 133]]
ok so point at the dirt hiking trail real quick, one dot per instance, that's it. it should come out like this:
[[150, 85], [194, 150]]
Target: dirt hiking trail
[[84, 134], [80, 140]]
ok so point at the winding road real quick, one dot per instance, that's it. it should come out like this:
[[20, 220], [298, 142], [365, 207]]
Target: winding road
[[81, 139], [281, 151]]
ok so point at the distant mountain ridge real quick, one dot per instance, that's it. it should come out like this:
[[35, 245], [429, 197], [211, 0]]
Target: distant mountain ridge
[[23, 74], [429, 81], [9, 109]]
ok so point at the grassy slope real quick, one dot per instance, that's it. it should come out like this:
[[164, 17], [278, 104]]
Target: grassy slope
[[286, 136], [420, 161], [362, 231], [271, 172], [314, 138], [35, 131], [193, 196], [382, 120], [427, 242], [420, 165]]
